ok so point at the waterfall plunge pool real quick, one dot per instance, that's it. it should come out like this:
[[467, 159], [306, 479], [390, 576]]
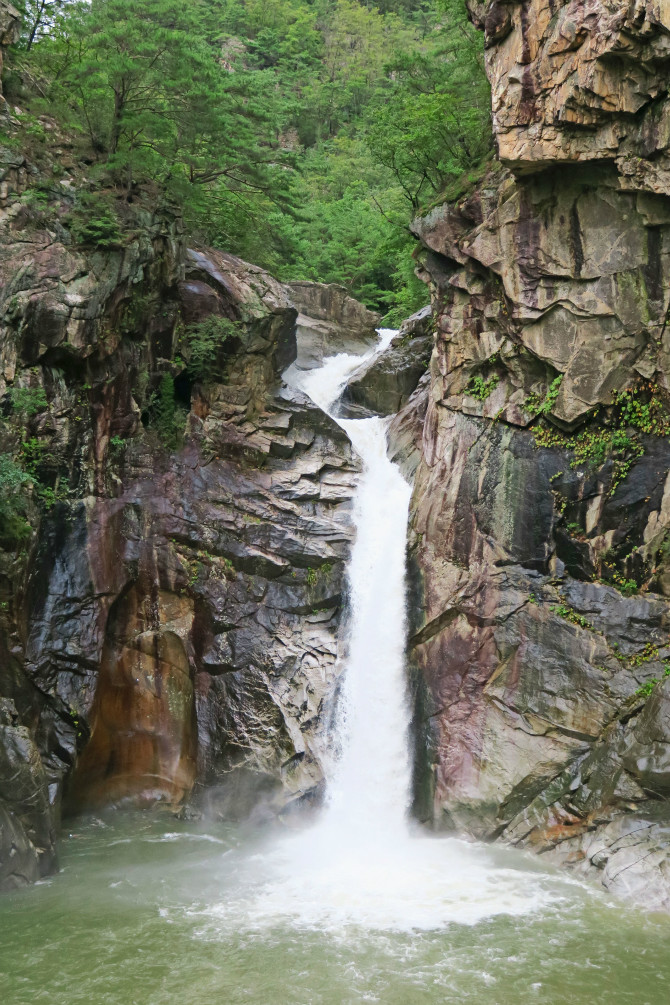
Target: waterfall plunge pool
[[149, 910]]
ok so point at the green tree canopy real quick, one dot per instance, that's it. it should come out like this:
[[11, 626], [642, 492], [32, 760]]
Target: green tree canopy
[[299, 134]]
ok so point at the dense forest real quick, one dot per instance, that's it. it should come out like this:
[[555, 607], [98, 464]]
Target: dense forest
[[299, 134]]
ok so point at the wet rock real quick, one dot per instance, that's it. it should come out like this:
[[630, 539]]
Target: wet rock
[[172, 624], [383, 386], [27, 831], [540, 691]]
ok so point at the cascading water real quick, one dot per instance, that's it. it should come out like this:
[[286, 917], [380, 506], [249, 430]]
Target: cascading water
[[362, 863], [369, 784]]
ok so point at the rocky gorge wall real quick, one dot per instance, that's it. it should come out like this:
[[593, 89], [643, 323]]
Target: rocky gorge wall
[[540, 521], [171, 570], [169, 611]]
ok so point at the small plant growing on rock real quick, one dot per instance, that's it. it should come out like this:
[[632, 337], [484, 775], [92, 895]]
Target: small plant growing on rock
[[646, 689], [314, 575], [569, 614], [649, 652], [626, 586], [542, 406], [14, 486], [481, 389]]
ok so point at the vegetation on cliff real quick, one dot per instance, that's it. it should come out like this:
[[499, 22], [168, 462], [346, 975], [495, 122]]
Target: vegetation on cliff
[[299, 134]]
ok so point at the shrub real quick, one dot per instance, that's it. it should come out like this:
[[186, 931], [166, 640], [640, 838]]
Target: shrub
[[94, 223], [202, 344], [14, 482], [100, 231], [27, 401]]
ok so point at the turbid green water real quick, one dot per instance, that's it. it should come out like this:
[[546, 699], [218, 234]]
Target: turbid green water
[[153, 911]]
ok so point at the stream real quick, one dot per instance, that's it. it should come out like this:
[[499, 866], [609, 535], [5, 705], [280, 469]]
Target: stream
[[361, 906]]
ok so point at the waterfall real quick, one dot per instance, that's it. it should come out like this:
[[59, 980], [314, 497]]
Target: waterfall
[[368, 788], [363, 862]]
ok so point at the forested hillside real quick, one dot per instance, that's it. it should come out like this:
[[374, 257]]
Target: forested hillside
[[298, 134]]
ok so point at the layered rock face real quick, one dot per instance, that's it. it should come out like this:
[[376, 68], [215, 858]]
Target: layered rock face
[[540, 512], [168, 628], [329, 321]]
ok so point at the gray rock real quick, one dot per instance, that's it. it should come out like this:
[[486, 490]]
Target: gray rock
[[383, 385]]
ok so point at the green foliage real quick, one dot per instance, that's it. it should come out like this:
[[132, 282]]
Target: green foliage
[[117, 443], [35, 454], [14, 497], [202, 344], [635, 410], [146, 84], [649, 652], [100, 231], [49, 496], [166, 418], [569, 614], [299, 134], [626, 586], [39, 17], [482, 389], [28, 401], [648, 687], [314, 576], [543, 406], [594, 446], [431, 122], [642, 409]]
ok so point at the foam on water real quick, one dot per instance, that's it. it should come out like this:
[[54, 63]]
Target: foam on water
[[362, 863]]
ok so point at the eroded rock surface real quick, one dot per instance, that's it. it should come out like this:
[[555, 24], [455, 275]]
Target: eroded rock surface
[[383, 385], [329, 322], [539, 581], [169, 629]]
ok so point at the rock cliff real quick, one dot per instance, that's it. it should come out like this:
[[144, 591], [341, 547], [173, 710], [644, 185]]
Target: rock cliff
[[174, 525], [540, 519]]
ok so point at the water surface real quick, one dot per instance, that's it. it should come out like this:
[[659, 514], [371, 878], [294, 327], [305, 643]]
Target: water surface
[[155, 911]]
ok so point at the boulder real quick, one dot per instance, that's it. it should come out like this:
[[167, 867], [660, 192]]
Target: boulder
[[383, 385]]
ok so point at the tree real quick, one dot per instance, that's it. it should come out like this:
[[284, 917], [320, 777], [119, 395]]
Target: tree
[[431, 121], [155, 99], [299, 134], [39, 18]]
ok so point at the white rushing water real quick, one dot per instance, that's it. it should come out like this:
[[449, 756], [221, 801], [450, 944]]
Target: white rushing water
[[363, 863], [369, 784]]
